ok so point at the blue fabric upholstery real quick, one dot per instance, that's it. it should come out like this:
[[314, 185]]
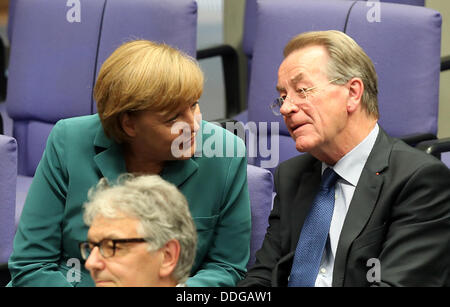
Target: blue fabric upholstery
[[8, 173], [260, 187]]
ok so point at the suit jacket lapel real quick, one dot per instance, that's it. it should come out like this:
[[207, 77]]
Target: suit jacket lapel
[[282, 270], [363, 202]]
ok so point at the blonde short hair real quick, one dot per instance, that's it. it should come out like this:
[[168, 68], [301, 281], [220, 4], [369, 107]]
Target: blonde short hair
[[144, 75], [347, 60]]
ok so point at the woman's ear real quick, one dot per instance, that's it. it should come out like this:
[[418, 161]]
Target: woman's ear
[[171, 254], [356, 89], [128, 124]]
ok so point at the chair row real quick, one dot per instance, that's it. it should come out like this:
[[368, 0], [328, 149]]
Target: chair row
[[250, 25]]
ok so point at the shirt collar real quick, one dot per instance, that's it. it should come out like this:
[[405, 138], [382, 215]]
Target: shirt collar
[[350, 166]]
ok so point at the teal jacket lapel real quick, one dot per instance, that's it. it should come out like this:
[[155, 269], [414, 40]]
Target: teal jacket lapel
[[363, 202], [109, 157], [177, 172]]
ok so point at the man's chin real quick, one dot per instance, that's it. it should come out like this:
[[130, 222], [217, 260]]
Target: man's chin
[[105, 284], [302, 145]]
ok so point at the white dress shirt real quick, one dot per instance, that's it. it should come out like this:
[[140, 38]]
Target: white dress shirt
[[349, 168]]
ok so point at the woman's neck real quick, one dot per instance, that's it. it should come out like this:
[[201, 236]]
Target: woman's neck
[[136, 163]]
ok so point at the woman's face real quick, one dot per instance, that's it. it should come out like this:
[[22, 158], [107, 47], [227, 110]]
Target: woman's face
[[165, 137]]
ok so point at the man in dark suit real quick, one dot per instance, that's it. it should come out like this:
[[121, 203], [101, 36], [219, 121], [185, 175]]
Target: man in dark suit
[[389, 220]]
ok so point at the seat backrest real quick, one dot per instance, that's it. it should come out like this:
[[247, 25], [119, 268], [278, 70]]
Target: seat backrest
[[8, 177], [408, 2], [408, 80], [11, 10], [55, 56], [248, 39], [260, 187], [51, 71], [173, 22]]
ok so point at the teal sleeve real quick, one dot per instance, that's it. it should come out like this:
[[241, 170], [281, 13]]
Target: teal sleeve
[[227, 259], [37, 244]]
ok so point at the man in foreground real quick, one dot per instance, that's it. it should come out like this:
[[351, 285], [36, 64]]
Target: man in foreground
[[141, 234]]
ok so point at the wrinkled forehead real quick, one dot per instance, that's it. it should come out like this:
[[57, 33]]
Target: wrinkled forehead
[[306, 64], [121, 226]]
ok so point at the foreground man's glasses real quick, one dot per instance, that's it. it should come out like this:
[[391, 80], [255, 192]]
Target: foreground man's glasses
[[107, 247]]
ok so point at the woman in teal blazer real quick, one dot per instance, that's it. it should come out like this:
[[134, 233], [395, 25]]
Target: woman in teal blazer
[[148, 122]]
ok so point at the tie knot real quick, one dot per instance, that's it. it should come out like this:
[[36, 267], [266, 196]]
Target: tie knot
[[329, 178]]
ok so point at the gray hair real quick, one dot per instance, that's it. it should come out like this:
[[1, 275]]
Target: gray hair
[[160, 207], [347, 60]]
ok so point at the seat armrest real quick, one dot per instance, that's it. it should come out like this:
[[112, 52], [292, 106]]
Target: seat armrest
[[230, 65], [414, 139], [5, 277], [435, 147], [445, 63], [1, 124]]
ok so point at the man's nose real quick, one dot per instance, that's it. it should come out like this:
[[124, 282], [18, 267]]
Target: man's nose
[[288, 107], [95, 260]]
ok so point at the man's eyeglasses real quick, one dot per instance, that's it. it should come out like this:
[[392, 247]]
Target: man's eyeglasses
[[107, 247], [302, 94]]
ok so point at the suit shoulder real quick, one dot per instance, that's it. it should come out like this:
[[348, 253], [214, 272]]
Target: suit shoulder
[[291, 170], [411, 157]]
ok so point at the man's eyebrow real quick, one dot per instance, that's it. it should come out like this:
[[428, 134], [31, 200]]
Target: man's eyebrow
[[294, 80], [297, 78], [110, 236], [280, 89]]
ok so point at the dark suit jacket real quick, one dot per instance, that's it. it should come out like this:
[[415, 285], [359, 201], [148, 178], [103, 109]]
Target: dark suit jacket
[[399, 214]]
